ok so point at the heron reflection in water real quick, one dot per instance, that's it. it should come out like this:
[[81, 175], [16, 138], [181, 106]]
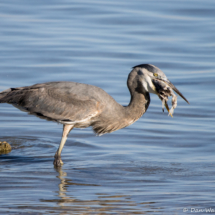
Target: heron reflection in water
[[77, 105]]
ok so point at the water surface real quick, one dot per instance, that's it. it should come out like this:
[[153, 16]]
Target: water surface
[[158, 165]]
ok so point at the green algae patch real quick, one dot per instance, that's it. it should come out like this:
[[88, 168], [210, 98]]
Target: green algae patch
[[5, 147]]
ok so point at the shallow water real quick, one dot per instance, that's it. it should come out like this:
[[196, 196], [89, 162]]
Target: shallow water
[[158, 165]]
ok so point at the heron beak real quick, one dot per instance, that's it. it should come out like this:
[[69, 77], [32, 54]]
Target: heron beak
[[176, 90]]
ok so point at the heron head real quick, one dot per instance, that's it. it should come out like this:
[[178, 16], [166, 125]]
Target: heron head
[[153, 80]]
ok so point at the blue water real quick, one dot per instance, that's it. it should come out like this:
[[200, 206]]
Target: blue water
[[158, 165]]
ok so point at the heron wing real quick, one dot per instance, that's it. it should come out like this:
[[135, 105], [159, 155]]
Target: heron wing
[[58, 101]]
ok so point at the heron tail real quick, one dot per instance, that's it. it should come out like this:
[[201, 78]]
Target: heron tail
[[3, 94]]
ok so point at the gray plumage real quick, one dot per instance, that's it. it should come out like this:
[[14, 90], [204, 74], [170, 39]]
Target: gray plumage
[[77, 105], [70, 103]]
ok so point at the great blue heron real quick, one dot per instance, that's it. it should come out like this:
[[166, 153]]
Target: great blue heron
[[77, 105]]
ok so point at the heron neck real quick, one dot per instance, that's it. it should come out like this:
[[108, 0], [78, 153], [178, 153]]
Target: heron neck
[[138, 105]]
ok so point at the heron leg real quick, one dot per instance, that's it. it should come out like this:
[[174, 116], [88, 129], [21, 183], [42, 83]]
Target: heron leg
[[66, 129]]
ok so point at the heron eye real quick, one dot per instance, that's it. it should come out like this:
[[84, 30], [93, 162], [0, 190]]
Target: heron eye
[[155, 74]]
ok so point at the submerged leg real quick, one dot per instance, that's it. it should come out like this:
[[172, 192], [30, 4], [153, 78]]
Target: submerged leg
[[66, 130]]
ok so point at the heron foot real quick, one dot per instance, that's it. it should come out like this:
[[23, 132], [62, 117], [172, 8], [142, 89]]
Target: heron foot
[[57, 161]]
